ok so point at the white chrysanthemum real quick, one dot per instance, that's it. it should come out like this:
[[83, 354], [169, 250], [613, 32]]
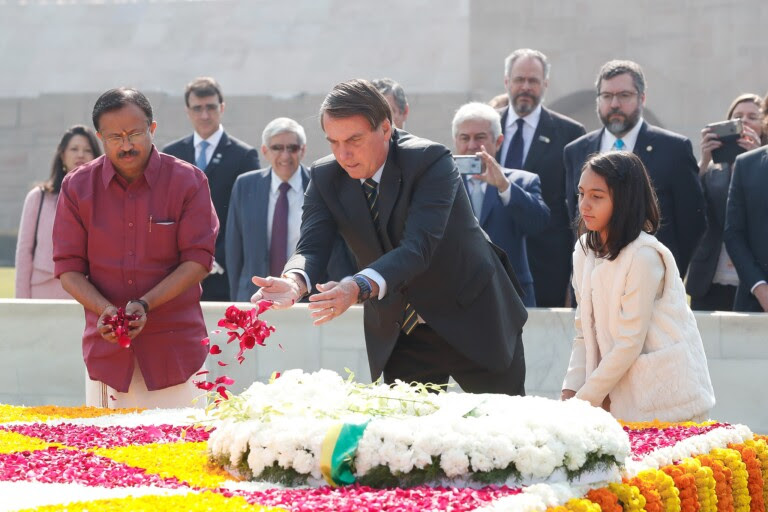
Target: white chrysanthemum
[[454, 462]]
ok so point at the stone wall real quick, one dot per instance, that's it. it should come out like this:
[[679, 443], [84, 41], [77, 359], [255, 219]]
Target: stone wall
[[280, 58], [41, 361]]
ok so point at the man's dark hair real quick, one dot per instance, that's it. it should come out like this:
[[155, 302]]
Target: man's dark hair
[[389, 86], [356, 97], [115, 99], [202, 87], [615, 68], [635, 207]]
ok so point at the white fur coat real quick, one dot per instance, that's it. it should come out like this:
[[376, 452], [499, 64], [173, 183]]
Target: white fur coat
[[636, 338]]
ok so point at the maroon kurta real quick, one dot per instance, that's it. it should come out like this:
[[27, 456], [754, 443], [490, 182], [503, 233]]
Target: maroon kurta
[[126, 238]]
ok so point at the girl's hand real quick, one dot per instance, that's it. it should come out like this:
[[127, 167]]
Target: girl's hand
[[567, 394]]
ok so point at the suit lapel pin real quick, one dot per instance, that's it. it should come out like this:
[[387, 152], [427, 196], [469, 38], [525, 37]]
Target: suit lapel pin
[[217, 158], [649, 148], [544, 139]]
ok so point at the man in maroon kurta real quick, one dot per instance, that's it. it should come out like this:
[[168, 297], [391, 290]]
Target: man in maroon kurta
[[136, 228]]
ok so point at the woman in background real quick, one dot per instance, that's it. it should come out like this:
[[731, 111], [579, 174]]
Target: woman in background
[[34, 247], [712, 278]]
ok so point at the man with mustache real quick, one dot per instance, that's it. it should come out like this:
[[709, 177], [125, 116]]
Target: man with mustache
[[136, 229], [667, 156], [534, 138]]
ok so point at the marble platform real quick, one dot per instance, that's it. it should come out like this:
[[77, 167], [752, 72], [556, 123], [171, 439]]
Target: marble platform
[[41, 360]]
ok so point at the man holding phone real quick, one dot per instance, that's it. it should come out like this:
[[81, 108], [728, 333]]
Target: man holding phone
[[507, 202]]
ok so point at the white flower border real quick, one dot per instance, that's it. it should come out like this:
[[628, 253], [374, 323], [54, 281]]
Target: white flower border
[[292, 415]]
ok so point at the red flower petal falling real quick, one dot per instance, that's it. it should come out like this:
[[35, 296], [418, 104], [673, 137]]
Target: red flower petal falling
[[254, 332]]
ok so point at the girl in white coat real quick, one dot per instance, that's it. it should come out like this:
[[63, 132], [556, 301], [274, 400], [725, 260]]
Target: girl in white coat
[[637, 350]]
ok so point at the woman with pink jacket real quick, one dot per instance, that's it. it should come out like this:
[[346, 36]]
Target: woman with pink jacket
[[34, 247]]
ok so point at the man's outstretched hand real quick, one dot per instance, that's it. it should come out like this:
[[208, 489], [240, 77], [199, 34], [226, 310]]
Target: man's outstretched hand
[[283, 292]]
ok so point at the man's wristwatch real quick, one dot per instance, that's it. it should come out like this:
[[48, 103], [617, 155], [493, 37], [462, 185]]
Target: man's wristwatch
[[365, 288], [143, 304]]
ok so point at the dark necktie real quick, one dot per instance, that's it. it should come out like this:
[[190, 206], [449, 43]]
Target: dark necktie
[[278, 249], [514, 158], [371, 189]]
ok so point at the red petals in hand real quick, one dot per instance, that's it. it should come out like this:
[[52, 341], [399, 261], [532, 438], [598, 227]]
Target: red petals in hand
[[119, 323]]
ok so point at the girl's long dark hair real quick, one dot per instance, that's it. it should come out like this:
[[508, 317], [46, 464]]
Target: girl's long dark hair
[[635, 206]]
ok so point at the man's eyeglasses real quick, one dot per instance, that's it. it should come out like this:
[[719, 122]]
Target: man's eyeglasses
[[279, 148], [623, 97], [117, 140], [209, 107]]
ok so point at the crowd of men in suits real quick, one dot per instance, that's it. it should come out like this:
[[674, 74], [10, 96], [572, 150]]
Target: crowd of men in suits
[[525, 199]]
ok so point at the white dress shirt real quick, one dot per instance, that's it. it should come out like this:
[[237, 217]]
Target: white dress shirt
[[531, 121], [212, 141], [630, 139], [505, 196], [295, 203]]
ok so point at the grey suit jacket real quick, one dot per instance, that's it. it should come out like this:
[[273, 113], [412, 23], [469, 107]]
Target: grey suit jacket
[[432, 253]]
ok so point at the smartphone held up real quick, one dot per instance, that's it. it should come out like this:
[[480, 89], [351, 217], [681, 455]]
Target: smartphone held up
[[468, 164]]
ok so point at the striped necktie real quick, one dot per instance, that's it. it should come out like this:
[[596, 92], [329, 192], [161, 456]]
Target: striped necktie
[[371, 189]]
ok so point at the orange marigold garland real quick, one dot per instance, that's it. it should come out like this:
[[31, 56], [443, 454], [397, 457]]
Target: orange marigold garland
[[739, 483], [607, 499], [686, 484], [705, 483], [665, 486], [761, 450], [754, 476], [653, 501], [723, 481], [629, 496]]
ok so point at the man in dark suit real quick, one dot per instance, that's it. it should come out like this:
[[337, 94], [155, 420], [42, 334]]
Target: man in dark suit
[[746, 235], [507, 202], [667, 156], [439, 299], [534, 138], [222, 157], [265, 215]]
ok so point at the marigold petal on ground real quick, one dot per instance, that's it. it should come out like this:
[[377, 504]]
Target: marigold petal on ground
[[188, 462]]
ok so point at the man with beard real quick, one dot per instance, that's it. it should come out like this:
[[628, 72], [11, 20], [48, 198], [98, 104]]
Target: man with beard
[[667, 156], [534, 138]]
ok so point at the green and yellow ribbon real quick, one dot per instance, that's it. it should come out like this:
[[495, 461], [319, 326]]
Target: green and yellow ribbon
[[338, 451]]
